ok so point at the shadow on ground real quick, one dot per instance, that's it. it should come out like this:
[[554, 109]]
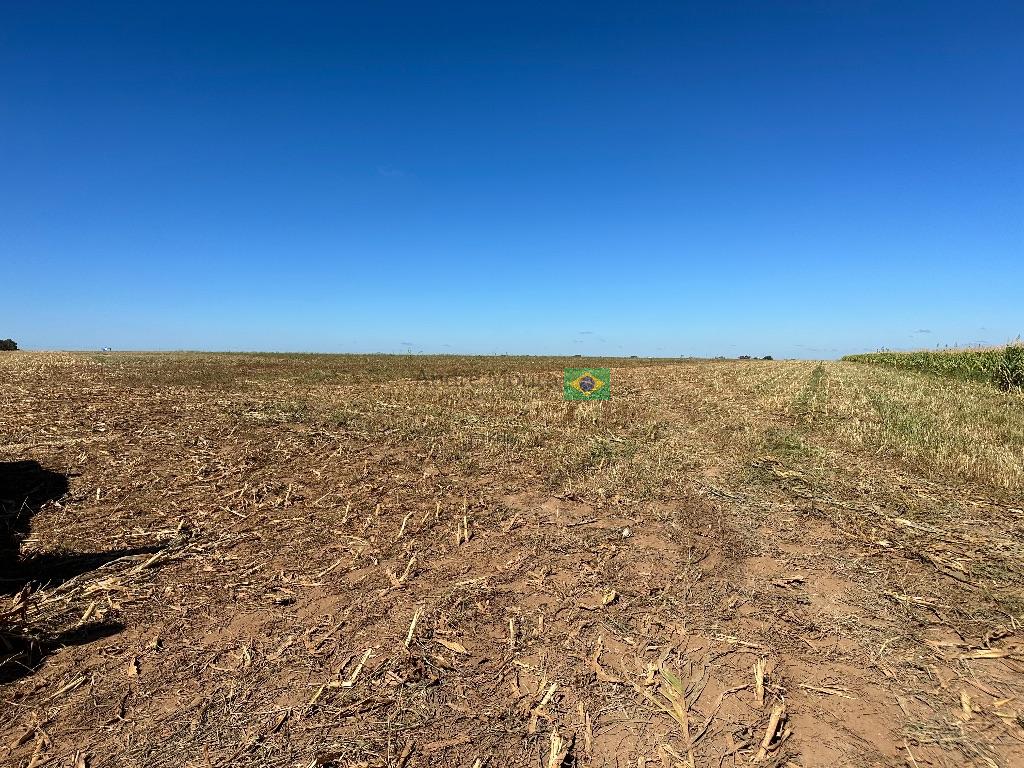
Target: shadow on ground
[[25, 487], [46, 571]]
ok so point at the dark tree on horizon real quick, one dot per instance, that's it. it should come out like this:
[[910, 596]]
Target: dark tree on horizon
[[8, 345]]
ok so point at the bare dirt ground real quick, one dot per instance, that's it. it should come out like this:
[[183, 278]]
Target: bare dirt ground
[[313, 561]]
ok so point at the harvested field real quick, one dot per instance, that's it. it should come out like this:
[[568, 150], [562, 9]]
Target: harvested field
[[285, 560]]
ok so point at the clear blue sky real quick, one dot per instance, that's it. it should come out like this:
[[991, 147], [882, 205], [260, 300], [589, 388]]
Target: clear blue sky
[[788, 178]]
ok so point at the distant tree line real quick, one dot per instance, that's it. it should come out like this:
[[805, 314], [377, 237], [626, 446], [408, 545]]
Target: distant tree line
[[8, 345]]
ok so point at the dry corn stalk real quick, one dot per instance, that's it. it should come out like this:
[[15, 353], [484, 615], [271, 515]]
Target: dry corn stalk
[[559, 749], [778, 713]]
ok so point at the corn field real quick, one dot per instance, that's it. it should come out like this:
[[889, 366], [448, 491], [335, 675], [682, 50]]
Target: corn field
[[1001, 367]]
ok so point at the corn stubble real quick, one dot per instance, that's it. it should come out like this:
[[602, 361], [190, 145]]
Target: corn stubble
[[412, 561]]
